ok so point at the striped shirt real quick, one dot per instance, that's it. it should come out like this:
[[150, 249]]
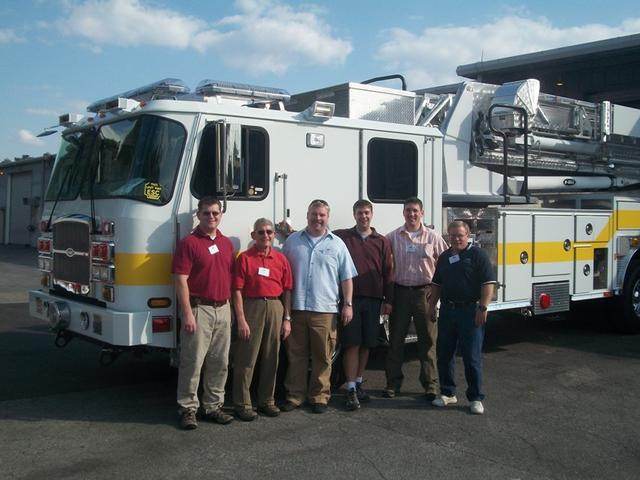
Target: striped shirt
[[415, 255]]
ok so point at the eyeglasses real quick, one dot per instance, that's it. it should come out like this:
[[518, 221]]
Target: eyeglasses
[[457, 235], [210, 214], [264, 232]]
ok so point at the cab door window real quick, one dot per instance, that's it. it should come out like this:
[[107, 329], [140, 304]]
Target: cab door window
[[392, 170], [251, 174]]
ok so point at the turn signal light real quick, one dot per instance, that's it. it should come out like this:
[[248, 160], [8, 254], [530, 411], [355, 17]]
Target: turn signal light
[[159, 302], [102, 251]]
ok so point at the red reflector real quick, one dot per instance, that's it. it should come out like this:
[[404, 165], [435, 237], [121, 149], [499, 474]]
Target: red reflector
[[160, 324], [545, 300], [44, 245]]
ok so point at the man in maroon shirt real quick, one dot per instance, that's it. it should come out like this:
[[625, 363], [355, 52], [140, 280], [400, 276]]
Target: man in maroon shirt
[[202, 268], [372, 295], [261, 285]]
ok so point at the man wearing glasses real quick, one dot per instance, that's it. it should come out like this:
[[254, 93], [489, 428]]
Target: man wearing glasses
[[463, 282], [321, 265], [261, 285], [202, 267]]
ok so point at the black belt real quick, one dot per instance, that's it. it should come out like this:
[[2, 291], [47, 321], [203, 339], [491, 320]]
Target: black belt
[[412, 287], [458, 303], [195, 301]]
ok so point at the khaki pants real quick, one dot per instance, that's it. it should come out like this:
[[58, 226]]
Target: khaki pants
[[407, 304], [206, 352], [314, 334], [265, 322]]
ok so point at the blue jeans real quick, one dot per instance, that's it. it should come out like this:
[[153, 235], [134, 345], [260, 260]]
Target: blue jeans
[[456, 327]]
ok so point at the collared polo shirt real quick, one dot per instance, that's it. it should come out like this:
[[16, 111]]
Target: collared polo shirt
[[258, 274], [372, 258], [208, 263], [318, 269], [461, 278], [415, 255]]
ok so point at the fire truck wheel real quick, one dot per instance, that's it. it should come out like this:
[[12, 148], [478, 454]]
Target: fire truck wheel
[[630, 318]]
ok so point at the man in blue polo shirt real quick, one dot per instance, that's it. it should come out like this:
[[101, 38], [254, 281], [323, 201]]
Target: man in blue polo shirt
[[321, 265], [463, 282]]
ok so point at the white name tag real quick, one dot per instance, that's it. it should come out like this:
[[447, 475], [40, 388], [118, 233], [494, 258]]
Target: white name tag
[[263, 271], [411, 248], [213, 249], [454, 258]]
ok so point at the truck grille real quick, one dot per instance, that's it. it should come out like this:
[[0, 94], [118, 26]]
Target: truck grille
[[71, 247]]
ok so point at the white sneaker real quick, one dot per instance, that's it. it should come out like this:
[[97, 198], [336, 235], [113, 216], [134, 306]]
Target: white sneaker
[[443, 401], [476, 407]]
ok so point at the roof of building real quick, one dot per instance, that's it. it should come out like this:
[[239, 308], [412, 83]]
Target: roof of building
[[595, 71]]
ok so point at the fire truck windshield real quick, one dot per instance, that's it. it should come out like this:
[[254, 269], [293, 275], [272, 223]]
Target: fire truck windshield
[[135, 158]]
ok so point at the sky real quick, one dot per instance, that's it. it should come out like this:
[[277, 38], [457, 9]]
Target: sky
[[57, 56]]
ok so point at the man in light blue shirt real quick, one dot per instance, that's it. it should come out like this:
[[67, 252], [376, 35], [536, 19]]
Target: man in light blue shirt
[[321, 265]]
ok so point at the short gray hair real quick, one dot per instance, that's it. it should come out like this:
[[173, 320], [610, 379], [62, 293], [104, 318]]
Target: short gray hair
[[261, 221], [459, 224]]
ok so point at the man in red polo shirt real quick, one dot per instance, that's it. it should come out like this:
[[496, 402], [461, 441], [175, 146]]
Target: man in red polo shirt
[[261, 285], [202, 267]]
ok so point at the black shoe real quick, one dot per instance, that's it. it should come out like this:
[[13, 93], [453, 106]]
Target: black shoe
[[188, 420], [430, 397], [362, 395], [217, 416], [288, 406], [352, 402], [319, 408], [270, 410], [389, 392], [246, 414]]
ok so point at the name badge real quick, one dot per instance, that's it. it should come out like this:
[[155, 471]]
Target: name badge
[[411, 248], [213, 249], [263, 271], [454, 258]]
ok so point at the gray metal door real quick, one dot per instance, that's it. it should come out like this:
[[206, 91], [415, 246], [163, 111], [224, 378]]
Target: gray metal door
[[20, 220]]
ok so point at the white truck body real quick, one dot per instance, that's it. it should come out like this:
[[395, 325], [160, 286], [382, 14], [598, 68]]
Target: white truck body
[[127, 182]]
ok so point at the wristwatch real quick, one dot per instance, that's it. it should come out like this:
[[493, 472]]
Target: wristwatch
[[348, 304], [482, 308], [287, 317]]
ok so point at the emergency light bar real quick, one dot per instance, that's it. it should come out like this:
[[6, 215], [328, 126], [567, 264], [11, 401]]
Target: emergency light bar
[[167, 88], [210, 88]]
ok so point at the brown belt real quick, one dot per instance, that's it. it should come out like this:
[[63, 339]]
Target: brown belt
[[263, 298], [195, 301]]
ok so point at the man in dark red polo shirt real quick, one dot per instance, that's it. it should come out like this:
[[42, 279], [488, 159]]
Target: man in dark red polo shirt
[[202, 266], [372, 295], [261, 285]]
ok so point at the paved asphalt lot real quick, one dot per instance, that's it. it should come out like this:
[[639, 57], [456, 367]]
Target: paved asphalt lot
[[562, 403]]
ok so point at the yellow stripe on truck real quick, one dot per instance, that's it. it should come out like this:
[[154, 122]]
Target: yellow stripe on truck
[[143, 268], [628, 219]]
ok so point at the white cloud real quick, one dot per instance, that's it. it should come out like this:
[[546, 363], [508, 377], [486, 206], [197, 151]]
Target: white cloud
[[263, 35], [8, 36], [29, 138], [430, 58]]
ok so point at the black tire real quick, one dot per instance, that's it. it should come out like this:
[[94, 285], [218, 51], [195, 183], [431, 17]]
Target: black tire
[[629, 320]]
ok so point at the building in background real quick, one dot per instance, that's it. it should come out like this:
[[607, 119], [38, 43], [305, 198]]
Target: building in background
[[23, 184]]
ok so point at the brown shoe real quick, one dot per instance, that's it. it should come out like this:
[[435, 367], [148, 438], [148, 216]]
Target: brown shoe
[[246, 414], [217, 416], [288, 406], [270, 410], [188, 420]]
